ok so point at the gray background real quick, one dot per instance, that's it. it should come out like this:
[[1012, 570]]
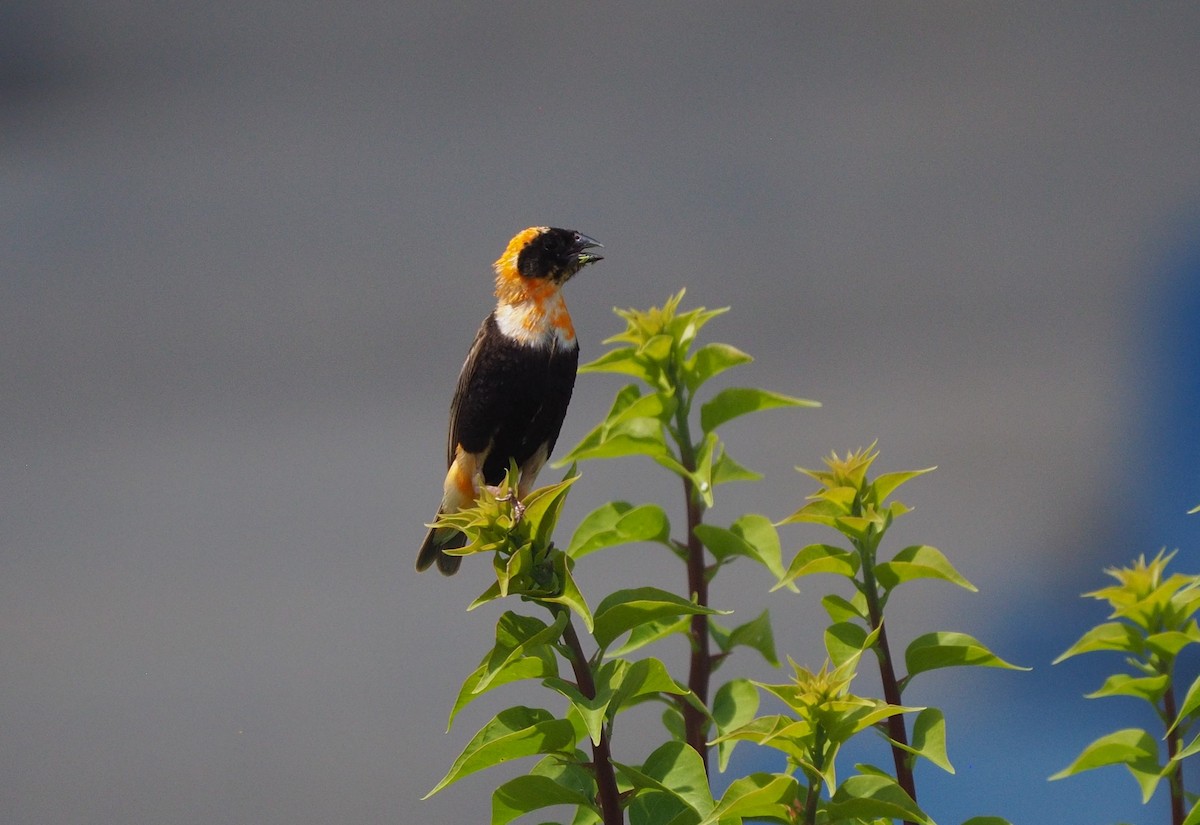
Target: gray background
[[246, 246]]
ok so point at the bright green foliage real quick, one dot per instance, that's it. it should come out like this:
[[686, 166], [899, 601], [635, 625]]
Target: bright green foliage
[[760, 796], [523, 556], [512, 733], [861, 510], [671, 786], [937, 650], [528, 565], [662, 416], [1153, 618], [655, 419], [619, 523], [627, 609], [823, 716]]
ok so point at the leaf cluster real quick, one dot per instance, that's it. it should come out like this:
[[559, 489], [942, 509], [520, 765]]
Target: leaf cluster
[[1152, 620], [822, 716], [861, 509], [528, 565], [653, 418], [822, 712]]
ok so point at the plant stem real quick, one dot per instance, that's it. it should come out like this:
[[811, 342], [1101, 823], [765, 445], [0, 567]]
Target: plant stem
[[814, 779], [606, 780], [887, 674], [695, 724], [1174, 740], [700, 667], [811, 802]]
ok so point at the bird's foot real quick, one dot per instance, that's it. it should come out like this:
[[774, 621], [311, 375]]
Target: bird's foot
[[510, 496]]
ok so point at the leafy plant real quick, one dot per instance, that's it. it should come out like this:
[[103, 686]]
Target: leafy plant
[[656, 417], [861, 510], [1152, 622], [528, 566], [823, 716]]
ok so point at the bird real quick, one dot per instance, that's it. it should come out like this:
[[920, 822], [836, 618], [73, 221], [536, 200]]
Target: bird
[[516, 383]]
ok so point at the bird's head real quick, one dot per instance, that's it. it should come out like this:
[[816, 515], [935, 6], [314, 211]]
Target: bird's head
[[546, 254]]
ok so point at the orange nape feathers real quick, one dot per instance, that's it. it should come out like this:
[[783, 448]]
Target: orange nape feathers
[[506, 264]]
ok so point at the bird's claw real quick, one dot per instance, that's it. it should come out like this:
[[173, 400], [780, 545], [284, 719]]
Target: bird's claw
[[517, 506]]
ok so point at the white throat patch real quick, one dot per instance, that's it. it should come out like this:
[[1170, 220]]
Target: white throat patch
[[535, 324]]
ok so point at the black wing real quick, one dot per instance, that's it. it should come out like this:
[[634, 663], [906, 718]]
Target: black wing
[[465, 378]]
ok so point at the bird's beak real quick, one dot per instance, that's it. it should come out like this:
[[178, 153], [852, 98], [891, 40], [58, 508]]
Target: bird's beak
[[585, 243]]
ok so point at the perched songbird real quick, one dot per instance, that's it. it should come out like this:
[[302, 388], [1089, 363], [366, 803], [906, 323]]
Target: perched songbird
[[517, 380]]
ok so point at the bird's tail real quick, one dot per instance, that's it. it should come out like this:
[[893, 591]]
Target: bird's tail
[[439, 539]]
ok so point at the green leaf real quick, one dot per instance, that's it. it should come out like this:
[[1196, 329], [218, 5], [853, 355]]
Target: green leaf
[[672, 720], [872, 796], [819, 558], [574, 773], [752, 536], [919, 562], [790, 736], [1169, 643], [530, 793], [1193, 817], [759, 795], [645, 677], [860, 528], [569, 596], [1191, 748], [490, 595], [737, 401], [656, 352], [676, 770], [846, 640], [643, 437], [929, 738], [521, 652], [841, 610], [633, 426], [711, 360], [540, 664], [516, 635], [1191, 702], [887, 483], [619, 685], [619, 522], [1149, 688], [726, 469], [734, 704], [1106, 636], [644, 634], [511, 734], [702, 476], [623, 361], [591, 710], [680, 769], [624, 610], [653, 807], [543, 507], [946, 649], [1132, 747], [756, 634]]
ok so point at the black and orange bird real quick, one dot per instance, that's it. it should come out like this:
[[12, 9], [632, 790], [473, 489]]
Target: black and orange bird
[[516, 383]]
